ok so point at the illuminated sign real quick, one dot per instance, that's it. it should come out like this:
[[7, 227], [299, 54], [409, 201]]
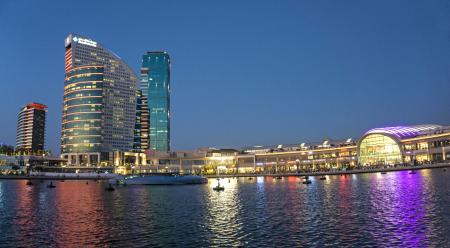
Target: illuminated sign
[[83, 41]]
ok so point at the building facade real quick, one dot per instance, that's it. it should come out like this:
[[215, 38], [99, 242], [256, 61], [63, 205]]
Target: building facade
[[30, 137], [378, 147], [404, 144], [99, 103], [155, 86], [141, 127]]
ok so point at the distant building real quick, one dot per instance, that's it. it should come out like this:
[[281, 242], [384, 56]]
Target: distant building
[[31, 128], [99, 103], [155, 85], [378, 147], [141, 127], [405, 144]]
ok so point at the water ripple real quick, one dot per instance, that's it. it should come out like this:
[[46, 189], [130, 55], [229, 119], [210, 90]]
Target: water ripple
[[366, 210]]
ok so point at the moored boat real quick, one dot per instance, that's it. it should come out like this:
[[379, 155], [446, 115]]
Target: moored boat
[[158, 179]]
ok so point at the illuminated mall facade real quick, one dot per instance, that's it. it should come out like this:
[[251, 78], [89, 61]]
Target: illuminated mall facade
[[389, 146]]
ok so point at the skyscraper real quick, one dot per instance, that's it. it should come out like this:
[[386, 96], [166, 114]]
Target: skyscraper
[[141, 127], [31, 128], [99, 103], [155, 85]]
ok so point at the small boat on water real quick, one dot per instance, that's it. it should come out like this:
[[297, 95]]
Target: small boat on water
[[218, 187], [323, 178], [307, 181], [51, 186], [110, 188], [158, 179], [250, 178], [278, 178], [383, 172], [413, 172], [29, 183]]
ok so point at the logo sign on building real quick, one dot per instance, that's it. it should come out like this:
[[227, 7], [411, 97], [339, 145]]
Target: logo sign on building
[[83, 41]]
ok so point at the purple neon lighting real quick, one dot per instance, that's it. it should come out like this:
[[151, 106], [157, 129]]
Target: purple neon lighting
[[406, 131]]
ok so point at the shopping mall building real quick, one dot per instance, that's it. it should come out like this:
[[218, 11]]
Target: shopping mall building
[[387, 146]]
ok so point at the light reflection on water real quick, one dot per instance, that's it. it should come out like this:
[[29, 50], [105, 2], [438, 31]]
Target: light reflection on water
[[366, 210]]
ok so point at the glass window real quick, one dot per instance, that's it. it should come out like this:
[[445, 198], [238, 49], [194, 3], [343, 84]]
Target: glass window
[[379, 149]]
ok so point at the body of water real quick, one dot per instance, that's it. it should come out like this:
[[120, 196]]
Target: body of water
[[396, 209]]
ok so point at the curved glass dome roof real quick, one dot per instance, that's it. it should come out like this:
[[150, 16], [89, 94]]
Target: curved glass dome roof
[[404, 132]]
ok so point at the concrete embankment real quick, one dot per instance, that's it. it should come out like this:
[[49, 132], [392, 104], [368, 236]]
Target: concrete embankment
[[103, 176], [60, 176], [373, 170]]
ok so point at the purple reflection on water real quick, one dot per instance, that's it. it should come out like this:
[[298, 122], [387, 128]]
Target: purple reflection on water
[[411, 209], [365, 210], [398, 209]]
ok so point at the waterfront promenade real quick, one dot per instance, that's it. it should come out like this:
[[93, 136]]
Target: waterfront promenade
[[104, 176], [61, 176], [335, 172]]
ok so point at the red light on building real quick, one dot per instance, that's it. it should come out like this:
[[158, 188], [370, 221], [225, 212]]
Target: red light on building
[[37, 106]]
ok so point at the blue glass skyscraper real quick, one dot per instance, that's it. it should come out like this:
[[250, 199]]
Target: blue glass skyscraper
[[155, 85]]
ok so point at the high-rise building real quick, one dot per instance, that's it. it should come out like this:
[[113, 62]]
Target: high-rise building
[[31, 128], [155, 85], [141, 141], [99, 103]]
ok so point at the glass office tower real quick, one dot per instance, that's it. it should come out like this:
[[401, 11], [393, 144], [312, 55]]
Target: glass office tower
[[155, 85], [99, 103]]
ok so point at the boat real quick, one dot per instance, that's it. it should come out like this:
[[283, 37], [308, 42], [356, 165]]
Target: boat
[[158, 179], [323, 178], [278, 178], [413, 172], [110, 188], [250, 178], [29, 183], [218, 187], [383, 172], [307, 181], [51, 186]]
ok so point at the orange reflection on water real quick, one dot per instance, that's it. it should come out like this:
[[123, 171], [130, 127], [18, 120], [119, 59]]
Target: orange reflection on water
[[62, 212], [72, 201]]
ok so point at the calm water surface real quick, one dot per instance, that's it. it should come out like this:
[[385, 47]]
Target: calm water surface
[[366, 210]]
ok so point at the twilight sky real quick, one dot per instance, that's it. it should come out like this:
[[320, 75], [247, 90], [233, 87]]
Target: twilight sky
[[245, 72]]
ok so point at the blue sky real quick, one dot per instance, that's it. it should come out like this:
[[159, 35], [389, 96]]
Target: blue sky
[[245, 72]]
